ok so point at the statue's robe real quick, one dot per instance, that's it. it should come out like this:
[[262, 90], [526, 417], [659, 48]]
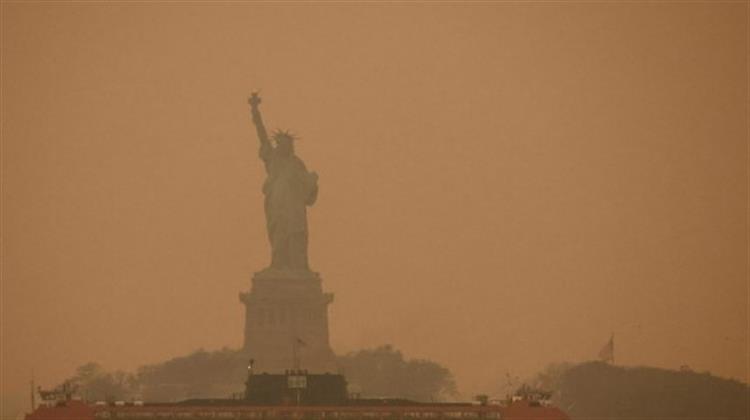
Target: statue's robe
[[289, 188]]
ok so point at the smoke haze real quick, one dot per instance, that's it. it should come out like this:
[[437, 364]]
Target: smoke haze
[[502, 185]]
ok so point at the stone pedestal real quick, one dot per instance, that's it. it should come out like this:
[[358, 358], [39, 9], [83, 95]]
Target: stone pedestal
[[286, 318]]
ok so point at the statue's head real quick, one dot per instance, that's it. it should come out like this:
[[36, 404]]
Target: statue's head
[[284, 142]]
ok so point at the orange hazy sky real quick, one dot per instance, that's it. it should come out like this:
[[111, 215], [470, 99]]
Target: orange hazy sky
[[503, 185]]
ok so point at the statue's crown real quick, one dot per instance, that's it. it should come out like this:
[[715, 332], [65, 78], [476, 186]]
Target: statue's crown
[[284, 134]]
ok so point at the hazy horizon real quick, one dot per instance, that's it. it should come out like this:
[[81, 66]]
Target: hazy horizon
[[502, 185]]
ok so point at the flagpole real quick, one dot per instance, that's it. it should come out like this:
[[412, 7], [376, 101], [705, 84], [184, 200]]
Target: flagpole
[[33, 399], [295, 359]]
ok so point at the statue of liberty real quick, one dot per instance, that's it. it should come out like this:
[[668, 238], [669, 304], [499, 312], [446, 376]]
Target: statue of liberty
[[289, 188]]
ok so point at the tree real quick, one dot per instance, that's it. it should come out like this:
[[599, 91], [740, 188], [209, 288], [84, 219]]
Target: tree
[[383, 372], [202, 374], [93, 383]]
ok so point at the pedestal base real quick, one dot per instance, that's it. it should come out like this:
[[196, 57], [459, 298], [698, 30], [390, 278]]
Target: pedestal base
[[286, 322]]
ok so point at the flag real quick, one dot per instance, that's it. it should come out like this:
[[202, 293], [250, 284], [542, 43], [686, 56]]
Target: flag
[[607, 353]]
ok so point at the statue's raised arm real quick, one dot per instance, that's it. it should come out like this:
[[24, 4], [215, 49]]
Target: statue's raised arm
[[265, 143]]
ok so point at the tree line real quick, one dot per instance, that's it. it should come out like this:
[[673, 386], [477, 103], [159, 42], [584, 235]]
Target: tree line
[[376, 372]]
